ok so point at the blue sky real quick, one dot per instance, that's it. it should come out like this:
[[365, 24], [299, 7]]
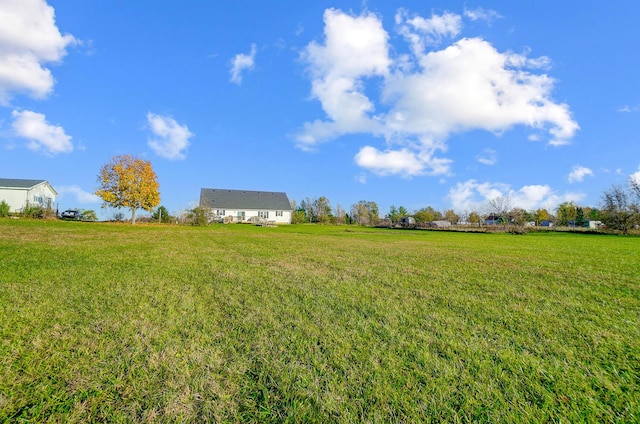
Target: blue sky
[[413, 103]]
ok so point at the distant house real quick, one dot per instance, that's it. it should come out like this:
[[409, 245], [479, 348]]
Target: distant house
[[492, 219], [20, 194], [247, 206]]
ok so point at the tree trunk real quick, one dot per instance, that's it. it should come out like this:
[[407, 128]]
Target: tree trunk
[[133, 216]]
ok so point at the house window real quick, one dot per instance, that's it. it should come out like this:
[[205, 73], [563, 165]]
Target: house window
[[263, 214], [278, 213], [220, 212], [241, 215]]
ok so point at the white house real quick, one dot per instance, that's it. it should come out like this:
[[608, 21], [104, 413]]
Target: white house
[[246, 205], [22, 193]]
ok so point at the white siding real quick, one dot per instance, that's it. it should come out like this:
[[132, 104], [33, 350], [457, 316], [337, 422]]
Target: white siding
[[18, 198], [253, 213]]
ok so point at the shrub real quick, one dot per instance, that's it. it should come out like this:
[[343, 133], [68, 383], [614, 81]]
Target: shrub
[[4, 209], [32, 211], [199, 216], [89, 215]]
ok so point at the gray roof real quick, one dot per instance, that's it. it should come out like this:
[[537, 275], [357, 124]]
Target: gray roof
[[217, 198], [18, 183]]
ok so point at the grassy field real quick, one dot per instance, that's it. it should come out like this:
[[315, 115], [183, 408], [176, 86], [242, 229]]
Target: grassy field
[[236, 323]]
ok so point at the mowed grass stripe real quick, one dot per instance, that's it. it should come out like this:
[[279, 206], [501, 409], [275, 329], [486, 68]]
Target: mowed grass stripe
[[234, 323]]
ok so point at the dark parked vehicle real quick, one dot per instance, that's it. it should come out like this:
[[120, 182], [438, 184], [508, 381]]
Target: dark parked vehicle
[[71, 214]]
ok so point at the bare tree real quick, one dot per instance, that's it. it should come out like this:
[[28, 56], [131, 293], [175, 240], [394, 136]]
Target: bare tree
[[321, 209], [618, 212], [634, 186], [307, 204], [464, 217], [365, 213], [499, 206], [339, 214]]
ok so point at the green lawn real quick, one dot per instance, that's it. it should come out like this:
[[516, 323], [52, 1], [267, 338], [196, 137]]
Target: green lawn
[[236, 323]]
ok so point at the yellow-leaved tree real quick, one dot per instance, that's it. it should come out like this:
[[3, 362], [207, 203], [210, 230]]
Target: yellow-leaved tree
[[128, 182]]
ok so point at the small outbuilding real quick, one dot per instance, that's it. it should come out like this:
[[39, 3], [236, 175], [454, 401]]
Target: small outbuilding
[[247, 205], [20, 194], [440, 224], [492, 219], [408, 222], [595, 225]]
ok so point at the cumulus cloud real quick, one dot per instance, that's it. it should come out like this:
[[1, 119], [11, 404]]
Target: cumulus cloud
[[472, 195], [403, 162], [470, 85], [355, 48], [81, 196], [170, 139], [240, 63], [426, 97], [578, 173], [41, 135], [29, 39]]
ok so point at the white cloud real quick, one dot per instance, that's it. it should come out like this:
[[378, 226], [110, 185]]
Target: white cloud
[[420, 32], [355, 48], [170, 139], [470, 85], [578, 173], [240, 63], [361, 178], [82, 197], [480, 14], [472, 195], [29, 39], [41, 135], [488, 157], [636, 176], [390, 162], [426, 97], [629, 109]]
